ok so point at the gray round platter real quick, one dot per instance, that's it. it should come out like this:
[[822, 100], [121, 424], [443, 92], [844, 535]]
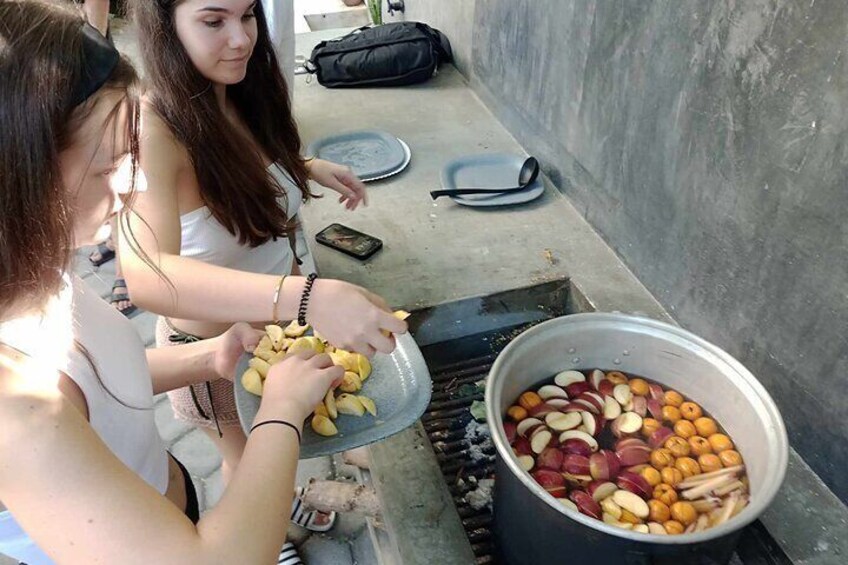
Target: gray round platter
[[370, 153], [399, 385], [489, 170], [400, 169]]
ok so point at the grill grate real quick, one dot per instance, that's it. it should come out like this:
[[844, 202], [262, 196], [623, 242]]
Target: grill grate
[[464, 458]]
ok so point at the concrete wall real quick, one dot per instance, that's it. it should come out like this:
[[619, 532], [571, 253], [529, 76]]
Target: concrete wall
[[455, 18], [707, 142]]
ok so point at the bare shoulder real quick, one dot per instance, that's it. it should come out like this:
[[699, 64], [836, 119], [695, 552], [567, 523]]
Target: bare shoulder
[[158, 143]]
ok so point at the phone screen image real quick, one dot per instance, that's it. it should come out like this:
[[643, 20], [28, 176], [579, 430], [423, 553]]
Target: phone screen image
[[349, 241]]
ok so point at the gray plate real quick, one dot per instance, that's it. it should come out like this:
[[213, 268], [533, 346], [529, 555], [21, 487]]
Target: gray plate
[[399, 385], [370, 153], [489, 170], [404, 165]]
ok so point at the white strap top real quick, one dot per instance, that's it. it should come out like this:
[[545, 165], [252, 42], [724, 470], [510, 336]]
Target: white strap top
[[205, 239], [117, 351]]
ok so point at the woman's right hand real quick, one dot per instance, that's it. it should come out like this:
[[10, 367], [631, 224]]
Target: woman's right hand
[[350, 317], [300, 382]]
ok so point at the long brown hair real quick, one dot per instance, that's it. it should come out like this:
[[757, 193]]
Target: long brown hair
[[41, 59], [234, 183]]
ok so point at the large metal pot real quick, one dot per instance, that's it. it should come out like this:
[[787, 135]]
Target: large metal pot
[[532, 527]]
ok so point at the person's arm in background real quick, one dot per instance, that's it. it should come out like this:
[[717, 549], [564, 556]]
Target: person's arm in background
[[345, 314]]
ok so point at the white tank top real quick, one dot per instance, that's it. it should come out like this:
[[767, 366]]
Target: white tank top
[[116, 349], [205, 239]]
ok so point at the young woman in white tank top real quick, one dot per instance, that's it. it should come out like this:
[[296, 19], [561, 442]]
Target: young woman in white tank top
[[84, 476], [221, 156]]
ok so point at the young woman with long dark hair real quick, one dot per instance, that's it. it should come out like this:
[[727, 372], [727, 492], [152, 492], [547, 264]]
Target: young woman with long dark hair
[[84, 476], [222, 158]]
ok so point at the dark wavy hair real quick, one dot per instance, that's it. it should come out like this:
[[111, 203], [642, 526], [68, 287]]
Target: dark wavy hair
[[234, 183], [41, 60]]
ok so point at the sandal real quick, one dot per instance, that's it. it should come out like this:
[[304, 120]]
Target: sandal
[[289, 555], [106, 254], [307, 519], [121, 297]]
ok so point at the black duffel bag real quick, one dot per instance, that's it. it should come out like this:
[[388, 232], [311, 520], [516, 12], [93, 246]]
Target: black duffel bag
[[395, 54]]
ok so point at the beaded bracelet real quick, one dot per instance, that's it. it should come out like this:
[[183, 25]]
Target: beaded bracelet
[[304, 299], [282, 423]]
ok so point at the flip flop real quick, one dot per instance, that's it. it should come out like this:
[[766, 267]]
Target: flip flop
[[289, 555], [106, 255], [121, 296], [306, 519]]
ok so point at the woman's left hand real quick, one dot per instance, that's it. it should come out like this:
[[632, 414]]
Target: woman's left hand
[[341, 179], [231, 345]]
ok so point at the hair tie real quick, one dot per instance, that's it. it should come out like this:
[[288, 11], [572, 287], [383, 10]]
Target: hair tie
[[99, 60]]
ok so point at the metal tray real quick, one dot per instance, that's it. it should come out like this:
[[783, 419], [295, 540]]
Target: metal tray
[[370, 153], [489, 170], [399, 384]]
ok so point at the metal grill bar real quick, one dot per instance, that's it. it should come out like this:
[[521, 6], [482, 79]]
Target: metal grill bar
[[445, 422]]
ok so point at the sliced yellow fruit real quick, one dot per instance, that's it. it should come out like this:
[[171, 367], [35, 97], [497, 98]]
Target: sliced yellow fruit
[[306, 344], [260, 365], [277, 357], [349, 404], [323, 426], [344, 359], [275, 334], [295, 330], [368, 404], [402, 314], [252, 382], [265, 343], [321, 410], [330, 404], [266, 354], [363, 366], [351, 382], [285, 344]]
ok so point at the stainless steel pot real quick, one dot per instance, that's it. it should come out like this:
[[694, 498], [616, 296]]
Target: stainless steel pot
[[532, 527]]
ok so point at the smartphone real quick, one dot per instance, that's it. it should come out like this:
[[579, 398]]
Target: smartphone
[[349, 241]]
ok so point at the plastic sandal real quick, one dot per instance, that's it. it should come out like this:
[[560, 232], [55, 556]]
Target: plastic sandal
[[289, 555], [106, 255], [121, 296]]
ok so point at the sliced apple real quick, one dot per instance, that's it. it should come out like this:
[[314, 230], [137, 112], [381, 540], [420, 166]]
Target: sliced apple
[[294, 329], [540, 441], [640, 405], [586, 504], [371, 407], [551, 481], [550, 458], [251, 380], [587, 405], [330, 405], [601, 490], [522, 446], [622, 393], [349, 404], [595, 378], [595, 398], [594, 423], [576, 389], [510, 429], [626, 424], [612, 409], [526, 462], [632, 503], [525, 425], [551, 391], [576, 464], [575, 446], [583, 436], [634, 483], [606, 388], [560, 422], [323, 426], [568, 504], [566, 378]]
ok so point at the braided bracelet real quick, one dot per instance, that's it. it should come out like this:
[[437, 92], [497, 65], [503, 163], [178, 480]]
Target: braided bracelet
[[282, 423], [304, 299]]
